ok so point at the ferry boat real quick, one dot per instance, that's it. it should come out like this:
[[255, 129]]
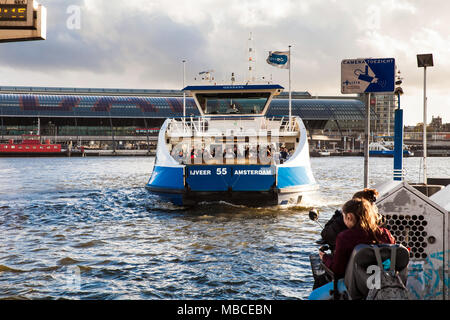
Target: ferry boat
[[232, 152], [30, 146]]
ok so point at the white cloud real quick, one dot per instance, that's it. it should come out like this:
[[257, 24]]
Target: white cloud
[[138, 43]]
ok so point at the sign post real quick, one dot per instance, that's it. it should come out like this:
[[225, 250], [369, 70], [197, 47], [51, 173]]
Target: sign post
[[366, 140], [365, 76]]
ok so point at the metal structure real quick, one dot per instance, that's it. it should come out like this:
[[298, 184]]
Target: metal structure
[[424, 61], [126, 106], [421, 225]]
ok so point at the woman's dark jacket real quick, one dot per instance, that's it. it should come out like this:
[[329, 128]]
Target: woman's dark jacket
[[332, 228], [346, 241]]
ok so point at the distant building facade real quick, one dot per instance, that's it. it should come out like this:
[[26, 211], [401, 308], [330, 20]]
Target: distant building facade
[[436, 123], [384, 105]]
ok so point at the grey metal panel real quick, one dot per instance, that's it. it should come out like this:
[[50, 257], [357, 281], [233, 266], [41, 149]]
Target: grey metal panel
[[420, 225]]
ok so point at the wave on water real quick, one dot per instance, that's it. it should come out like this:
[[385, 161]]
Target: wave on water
[[67, 261], [4, 268], [89, 244], [92, 231]]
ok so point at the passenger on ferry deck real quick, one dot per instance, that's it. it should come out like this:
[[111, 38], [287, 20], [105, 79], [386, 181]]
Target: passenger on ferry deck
[[180, 156]]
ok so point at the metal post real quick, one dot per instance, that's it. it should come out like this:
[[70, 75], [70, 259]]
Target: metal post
[[398, 144], [425, 125], [148, 138], [78, 131], [366, 142], [389, 117], [112, 134], [290, 96]]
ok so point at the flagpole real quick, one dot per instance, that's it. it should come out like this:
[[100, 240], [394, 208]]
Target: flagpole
[[290, 98]]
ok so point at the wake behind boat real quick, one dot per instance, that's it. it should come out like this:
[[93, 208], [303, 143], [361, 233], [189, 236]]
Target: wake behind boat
[[232, 152]]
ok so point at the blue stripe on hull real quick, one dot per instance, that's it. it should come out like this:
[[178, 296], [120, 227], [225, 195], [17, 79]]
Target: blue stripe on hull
[[386, 152], [294, 176], [170, 178], [230, 177]]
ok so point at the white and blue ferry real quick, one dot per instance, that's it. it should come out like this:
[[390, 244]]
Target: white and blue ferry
[[232, 152]]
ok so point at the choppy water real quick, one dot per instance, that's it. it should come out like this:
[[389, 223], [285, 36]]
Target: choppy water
[[85, 228]]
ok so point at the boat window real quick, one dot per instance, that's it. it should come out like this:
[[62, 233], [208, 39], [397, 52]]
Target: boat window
[[233, 103]]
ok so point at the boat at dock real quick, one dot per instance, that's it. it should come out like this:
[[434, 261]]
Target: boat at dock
[[320, 153], [233, 152], [30, 146], [385, 149]]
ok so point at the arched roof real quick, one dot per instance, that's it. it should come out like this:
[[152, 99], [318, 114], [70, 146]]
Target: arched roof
[[92, 106]]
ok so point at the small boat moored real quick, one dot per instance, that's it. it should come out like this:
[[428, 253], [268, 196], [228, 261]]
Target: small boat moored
[[383, 149], [30, 146]]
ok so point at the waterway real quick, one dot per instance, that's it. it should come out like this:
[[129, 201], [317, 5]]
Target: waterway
[[86, 228]]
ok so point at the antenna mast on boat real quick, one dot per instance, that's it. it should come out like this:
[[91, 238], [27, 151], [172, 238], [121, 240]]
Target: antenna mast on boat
[[251, 59]]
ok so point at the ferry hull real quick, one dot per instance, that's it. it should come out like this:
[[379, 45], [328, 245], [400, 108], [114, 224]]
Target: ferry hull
[[190, 198], [252, 185], [247, 198]]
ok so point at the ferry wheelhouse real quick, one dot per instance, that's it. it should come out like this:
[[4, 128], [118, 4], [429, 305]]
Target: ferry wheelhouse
[[232, 152]]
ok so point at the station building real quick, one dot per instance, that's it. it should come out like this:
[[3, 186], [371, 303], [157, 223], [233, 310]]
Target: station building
[[130, 118]]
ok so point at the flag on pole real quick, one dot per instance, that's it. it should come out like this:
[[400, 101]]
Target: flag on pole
[[279, 59], [282, 60]]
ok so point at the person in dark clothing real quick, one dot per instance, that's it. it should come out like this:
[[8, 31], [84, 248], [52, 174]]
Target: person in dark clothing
[[363, 227], [332, 228], [336, 223]]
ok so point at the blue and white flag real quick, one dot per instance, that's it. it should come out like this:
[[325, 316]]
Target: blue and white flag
[[279, 59]]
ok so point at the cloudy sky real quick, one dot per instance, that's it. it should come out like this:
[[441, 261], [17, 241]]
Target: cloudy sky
[[141, 43]]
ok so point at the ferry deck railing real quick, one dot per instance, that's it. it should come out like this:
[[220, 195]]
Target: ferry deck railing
[[242, 145], [221, 126]]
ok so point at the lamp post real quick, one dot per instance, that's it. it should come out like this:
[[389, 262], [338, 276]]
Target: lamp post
[[424, 61]]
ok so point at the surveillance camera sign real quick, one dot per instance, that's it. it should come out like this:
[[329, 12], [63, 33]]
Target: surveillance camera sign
[[367, 75]]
